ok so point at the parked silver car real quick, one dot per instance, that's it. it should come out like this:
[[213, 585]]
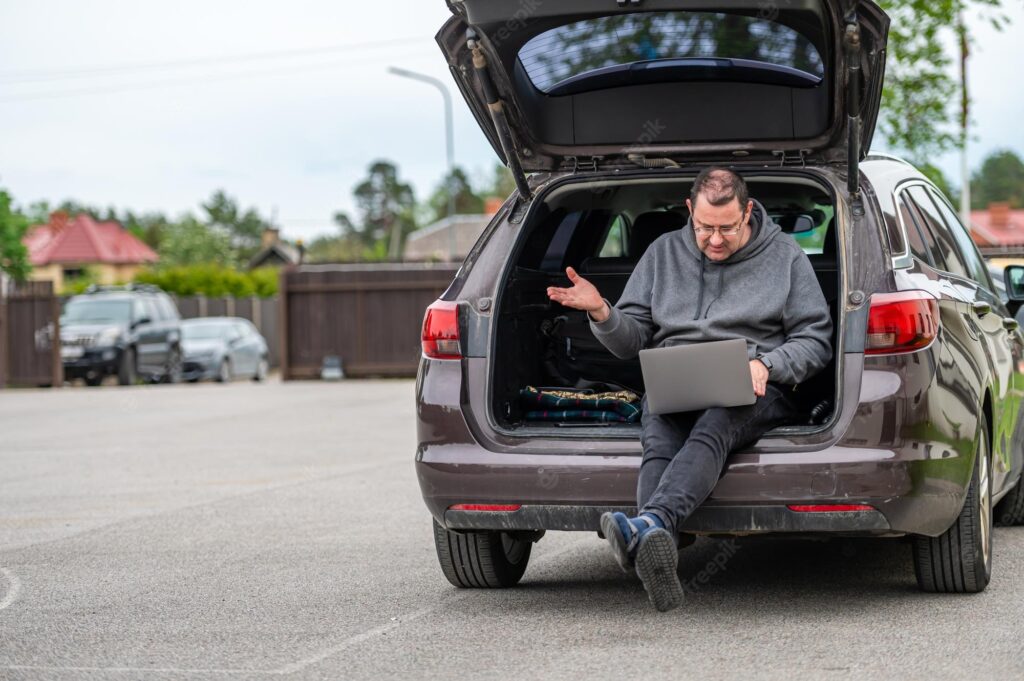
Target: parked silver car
[[223, 348]]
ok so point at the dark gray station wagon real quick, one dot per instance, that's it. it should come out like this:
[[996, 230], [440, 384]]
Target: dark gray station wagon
[[605, 110]]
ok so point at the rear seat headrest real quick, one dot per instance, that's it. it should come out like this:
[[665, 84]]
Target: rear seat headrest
[[649, 226]]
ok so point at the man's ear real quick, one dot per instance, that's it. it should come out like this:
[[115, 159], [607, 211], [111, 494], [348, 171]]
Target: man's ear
[[749, 211], [689, 206]]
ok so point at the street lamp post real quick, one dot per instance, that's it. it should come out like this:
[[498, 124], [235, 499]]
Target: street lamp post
[[449, 145]]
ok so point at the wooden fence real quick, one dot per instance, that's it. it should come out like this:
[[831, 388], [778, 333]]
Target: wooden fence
[[368, 315], [29, 327]]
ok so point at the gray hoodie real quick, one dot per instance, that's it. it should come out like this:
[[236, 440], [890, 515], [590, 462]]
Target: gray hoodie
[[765, 293]]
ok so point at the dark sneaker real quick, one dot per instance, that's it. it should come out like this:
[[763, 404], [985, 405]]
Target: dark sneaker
[[657, 559], [621, 538]]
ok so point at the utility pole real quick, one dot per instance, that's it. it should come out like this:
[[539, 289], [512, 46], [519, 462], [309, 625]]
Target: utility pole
[[449, 146], [965, 173]]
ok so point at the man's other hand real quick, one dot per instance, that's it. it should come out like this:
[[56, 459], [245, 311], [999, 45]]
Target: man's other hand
[[581, 296], [759, 374]]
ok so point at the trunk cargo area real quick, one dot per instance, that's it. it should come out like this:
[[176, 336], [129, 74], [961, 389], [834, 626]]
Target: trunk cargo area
[[601, 228]]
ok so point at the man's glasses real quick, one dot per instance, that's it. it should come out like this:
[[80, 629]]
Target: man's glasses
[[730, 230]]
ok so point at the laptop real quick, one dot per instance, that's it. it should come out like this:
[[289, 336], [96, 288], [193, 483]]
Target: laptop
[[697, 376]]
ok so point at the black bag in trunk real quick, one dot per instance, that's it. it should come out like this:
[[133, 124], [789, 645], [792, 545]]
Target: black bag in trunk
[[573, 357]]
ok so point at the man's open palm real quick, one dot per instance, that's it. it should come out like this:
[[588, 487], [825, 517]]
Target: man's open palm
[[582, 295]]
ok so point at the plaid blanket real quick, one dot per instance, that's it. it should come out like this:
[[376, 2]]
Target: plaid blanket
[[568, 405]]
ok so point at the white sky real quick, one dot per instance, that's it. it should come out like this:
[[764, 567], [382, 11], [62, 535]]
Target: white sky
[[291, 134]]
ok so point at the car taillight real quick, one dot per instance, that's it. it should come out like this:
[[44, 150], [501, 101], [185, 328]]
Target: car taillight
[[829, 508], [440, 335], [901, 322], [485, 507]]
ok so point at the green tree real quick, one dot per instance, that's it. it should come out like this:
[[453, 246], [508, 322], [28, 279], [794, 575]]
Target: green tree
[[936, 175], [190, 241], [466, 200], [916, 116], [13, 254], [501, 184], [147, 227], [386, 206], [1000, 178], [244, 229]]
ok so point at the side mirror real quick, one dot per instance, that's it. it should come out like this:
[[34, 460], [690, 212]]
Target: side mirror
[[141, 321], [1013, 277]]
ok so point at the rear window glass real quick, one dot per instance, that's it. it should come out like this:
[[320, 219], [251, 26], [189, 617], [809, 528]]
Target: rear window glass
[[659, 39]]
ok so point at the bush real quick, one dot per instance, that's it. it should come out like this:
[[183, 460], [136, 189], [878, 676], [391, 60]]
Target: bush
[[212, 280]]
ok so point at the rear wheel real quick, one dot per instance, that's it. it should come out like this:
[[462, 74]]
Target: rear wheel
[[175, 367], [261, 370], [126, 374], [93, 381], [481, 560], [1010, 509], [960, 559]]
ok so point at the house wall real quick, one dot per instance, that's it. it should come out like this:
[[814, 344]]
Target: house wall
[[105, 273]]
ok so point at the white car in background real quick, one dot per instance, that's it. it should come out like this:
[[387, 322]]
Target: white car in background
[[223, 348]]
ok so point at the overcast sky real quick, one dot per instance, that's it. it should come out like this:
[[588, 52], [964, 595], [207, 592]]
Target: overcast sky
[[89, 109]]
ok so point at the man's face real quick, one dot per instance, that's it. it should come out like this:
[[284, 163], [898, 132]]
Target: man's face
[[728, 218]]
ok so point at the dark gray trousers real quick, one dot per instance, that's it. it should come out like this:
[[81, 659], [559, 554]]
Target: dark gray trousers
[[684, 453]]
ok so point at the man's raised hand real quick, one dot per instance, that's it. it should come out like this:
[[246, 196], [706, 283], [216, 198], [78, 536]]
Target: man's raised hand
[[582, 295]]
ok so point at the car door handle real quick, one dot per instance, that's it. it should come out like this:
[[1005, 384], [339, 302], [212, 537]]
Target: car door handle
[[981, 308], [1010, 324]]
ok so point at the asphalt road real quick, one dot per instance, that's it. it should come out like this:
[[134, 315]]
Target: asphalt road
[[260, 531]]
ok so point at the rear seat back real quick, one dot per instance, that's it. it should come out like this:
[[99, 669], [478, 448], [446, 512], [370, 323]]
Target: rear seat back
[[610, 275]]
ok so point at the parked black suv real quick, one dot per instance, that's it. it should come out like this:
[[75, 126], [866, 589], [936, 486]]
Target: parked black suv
[[131, 332]]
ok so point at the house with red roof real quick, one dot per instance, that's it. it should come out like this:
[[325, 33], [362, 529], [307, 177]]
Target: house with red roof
[[67, 247], [998, 225]]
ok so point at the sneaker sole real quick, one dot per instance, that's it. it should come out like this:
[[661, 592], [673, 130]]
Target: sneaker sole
[[611, 532], [656, 562]]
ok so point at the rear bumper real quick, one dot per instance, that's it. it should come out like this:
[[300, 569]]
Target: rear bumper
[[569, 492], [705, 520]]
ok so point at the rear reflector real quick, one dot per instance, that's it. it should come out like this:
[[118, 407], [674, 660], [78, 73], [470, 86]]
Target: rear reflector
[[485, 507], [901, 322], [440, 335], [830, 508]]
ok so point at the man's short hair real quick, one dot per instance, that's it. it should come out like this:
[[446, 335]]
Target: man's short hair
[[719, 186]]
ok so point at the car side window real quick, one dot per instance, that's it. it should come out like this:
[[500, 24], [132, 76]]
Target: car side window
[[152, 311], [919, 248], [167, 307], [138, 311], [969, 252], [614, 245], [937, 226]]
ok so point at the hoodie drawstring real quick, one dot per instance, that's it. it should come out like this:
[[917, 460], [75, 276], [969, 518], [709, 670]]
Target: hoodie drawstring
[[721, 281]]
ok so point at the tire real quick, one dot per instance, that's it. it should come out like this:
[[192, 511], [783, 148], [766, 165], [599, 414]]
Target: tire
[[175, 369], [126, 371], [93, 381], [261, 370], [481, 560], [960, 559], [224, 371], [1010, 509]]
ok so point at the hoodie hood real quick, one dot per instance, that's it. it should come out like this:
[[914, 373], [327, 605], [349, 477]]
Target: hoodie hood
[[762, 231]]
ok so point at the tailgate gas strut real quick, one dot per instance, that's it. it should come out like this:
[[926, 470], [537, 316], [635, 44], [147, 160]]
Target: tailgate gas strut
[[497, 111], [853, 96]]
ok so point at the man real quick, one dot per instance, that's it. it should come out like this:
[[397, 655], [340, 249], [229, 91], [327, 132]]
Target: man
[[729, 273]]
